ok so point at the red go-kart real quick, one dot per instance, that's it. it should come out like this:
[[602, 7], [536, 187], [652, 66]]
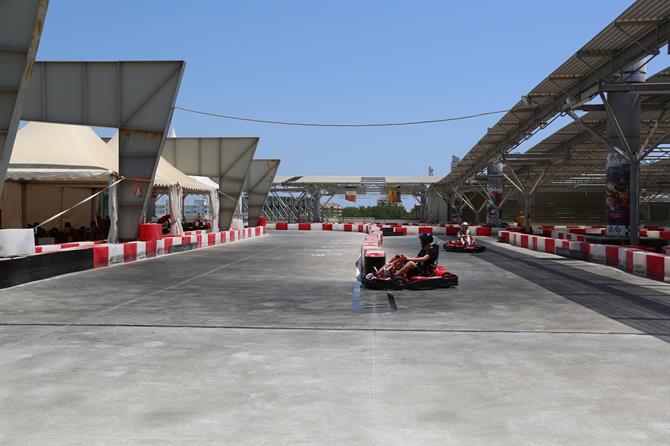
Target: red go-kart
[[385, 278], [467, 245]]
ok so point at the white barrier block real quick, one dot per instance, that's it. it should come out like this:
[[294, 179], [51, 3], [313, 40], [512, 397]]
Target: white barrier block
[[597, 253], [293, 226], [622, 258], [640, 263], [115, 253], [141, 250]]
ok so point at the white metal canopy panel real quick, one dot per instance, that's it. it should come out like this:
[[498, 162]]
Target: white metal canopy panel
[[257, 185], [640, 31], [133, 95]]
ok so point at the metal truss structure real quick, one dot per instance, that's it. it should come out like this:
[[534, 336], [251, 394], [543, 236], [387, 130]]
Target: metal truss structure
[[224, 160], [299, 198]]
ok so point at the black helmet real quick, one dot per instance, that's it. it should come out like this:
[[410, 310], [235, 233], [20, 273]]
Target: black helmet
[[425, 238]]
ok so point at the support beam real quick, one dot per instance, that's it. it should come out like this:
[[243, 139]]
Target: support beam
[[258, 183], [226, 160], [21, 23], [136, 97]]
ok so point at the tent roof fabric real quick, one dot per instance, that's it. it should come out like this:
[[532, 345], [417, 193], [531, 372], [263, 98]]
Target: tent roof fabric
[[166, 174], [60, 152], [45, 151]]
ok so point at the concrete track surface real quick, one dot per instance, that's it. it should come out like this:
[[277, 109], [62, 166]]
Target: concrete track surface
[[267, 342]]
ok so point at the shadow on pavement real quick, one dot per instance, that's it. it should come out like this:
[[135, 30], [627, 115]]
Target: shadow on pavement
[[638, 307]]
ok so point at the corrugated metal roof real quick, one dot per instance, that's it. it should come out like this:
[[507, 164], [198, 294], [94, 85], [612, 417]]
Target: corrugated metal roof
[[575, 154], [639, 31]]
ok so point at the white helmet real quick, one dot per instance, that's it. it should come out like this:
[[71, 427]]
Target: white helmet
[[464, 223]]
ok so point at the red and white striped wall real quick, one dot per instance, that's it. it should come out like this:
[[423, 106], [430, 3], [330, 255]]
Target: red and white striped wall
[[633, 260], [105, 254], [348, 227]]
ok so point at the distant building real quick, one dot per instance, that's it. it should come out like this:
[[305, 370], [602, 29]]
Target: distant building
[[332, 210]]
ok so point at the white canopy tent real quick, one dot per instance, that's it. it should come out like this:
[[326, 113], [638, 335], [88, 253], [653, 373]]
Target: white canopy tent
[[55, 166]]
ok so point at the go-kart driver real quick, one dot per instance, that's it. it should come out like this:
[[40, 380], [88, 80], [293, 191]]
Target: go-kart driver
[[424, 262], [464, 236]]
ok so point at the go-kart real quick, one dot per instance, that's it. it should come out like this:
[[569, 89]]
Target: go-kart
[[385, 277], [468, 246]]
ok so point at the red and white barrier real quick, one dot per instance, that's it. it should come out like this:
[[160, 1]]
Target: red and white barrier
[[404, 229], [562, 235], [631, 259]]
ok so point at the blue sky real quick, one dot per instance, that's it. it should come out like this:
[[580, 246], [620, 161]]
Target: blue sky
[[338, 61]]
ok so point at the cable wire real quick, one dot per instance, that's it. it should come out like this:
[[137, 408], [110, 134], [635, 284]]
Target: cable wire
[[315, 124]]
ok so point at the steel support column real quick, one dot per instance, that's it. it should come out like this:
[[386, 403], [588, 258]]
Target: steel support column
[[316, 195], [623, 131]]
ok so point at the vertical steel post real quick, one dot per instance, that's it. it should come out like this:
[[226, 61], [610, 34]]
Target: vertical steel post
[[623, 194], [494, 188], [316, 196]]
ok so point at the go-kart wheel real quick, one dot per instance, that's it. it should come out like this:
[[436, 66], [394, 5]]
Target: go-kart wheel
[[398, 282]]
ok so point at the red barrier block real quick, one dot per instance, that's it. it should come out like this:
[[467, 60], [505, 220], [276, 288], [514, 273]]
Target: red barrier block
[[100, 256], [505, 236], [483, 230], [524, 241], [232, 236], [550, 245], [150, 248], [425, 230], [656, 266], [281, 226], [150, 231], [361, 228], [348, 227], [199, 240], [452, 230], [258, 230], [224, 237], [304, 227], [612, 255], [534, 243], [577, 231], [665, 235], [327, 227], [167, 244], [129, 252], [629, 261], [400, 230]]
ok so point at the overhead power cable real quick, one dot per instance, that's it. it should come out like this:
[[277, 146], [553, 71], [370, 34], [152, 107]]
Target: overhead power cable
[[319, 124]]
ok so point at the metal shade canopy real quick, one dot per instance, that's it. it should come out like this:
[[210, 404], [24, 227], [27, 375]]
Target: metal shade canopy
[[225, 160]]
